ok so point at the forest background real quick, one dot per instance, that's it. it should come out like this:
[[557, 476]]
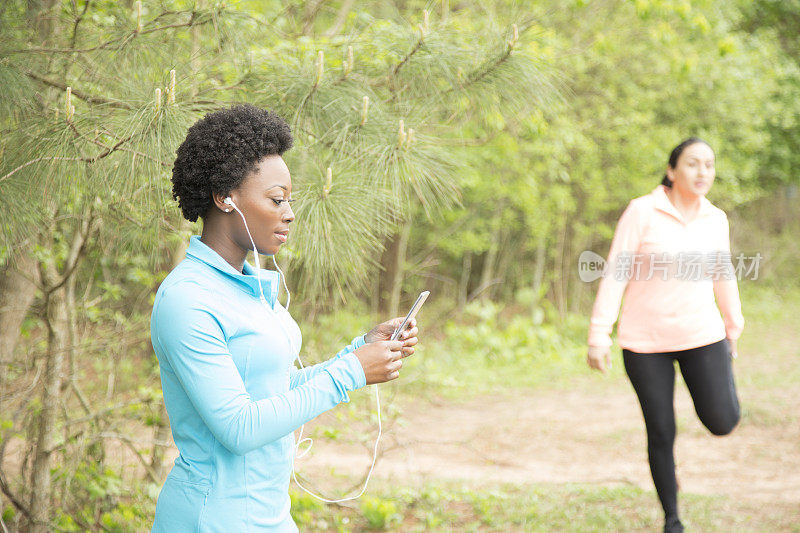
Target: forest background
[[473, 149]]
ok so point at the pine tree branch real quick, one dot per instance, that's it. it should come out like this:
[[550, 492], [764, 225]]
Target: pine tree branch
[[413, 51], [77, 92], [140, 154], [194, 20], [478, 75], [312, 10], [121, 148], [483, 71], [74, 39], [108, 151], [341, 18], [90, 160], [32, 161]]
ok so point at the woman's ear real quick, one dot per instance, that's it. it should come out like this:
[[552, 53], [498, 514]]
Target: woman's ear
[[670, 174], [219, 202]]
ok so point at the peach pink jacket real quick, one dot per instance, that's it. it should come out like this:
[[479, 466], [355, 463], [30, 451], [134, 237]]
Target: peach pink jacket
[[653, 261]]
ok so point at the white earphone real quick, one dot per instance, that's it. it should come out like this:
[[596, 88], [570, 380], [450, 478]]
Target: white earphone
[[300, 439]]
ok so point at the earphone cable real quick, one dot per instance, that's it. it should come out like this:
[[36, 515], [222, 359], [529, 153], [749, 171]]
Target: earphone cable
[[300, 439]]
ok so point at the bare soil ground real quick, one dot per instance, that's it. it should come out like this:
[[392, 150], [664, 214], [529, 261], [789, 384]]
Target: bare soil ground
[[577, 436], [592, 432]]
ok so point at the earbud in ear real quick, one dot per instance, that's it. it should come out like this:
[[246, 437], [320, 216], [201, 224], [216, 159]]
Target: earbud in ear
[[227, 201]]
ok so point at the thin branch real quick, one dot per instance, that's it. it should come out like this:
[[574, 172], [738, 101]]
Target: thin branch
[[79, 394], [97, 347], [312, 10], [13, 397], [92, 159], [194, 20], [130, 444], [483, 287], [77, 92], [13, 499], [341, 18], [74, 39], [478, 75], [44, 158], [413, 51], [123, 149], [104, 412], [483, 71], [140, 154], [76, 251]]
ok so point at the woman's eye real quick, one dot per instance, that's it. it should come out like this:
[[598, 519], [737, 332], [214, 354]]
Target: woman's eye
[[279, 201]]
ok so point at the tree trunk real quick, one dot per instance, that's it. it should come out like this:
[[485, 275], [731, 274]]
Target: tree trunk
[[463, 284], [57, 321], [72, 331], [508, 250], [559, 287], [399, 270], [538, 267], [487, 274], [56, 318], [17, 291], [386, 274]]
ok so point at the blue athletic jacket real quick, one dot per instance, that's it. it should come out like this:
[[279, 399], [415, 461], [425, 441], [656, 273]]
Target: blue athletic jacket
[[234, 396]]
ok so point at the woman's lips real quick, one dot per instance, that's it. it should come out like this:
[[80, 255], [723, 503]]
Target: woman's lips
[[282, 236]]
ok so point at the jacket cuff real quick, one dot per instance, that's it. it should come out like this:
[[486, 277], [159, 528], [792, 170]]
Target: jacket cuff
[[347, 373], [358, 342]]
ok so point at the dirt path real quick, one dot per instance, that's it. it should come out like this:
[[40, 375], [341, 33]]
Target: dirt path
[[579, 436]]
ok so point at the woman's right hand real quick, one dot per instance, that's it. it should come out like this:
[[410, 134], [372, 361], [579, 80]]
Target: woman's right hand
[[381, 360], [599, 358]]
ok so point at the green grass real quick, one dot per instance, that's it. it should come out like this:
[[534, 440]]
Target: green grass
[[536, 508]]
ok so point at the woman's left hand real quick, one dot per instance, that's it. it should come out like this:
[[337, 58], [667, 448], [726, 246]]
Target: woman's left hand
[[732, 344], [383, 332]]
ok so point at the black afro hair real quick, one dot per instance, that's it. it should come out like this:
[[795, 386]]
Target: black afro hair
[[220, 150]]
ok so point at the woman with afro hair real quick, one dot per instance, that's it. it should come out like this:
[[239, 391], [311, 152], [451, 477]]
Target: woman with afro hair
[[225, 344]]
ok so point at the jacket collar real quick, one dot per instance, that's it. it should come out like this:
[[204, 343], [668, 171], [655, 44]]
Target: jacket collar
[[270, 280], [661, 202]]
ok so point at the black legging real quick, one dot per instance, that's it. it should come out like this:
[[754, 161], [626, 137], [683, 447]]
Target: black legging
[[708, 375]]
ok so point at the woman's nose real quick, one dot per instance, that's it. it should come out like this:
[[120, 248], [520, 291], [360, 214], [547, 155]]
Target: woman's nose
[[288, 214]]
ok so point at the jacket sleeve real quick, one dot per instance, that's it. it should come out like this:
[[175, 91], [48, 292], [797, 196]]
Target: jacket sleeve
[[726, 290], [625, 243], [190, 339], [299, 376]]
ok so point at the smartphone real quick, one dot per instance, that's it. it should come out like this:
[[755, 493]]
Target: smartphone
[[411, 314]]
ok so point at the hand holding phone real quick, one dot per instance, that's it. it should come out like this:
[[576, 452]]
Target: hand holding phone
[[412, 313]]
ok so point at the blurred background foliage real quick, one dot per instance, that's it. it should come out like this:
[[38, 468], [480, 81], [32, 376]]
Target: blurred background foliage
[[473, 149]]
